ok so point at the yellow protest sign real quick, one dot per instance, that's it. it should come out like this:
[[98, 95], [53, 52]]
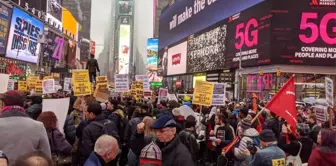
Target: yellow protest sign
[[32, 81], [111, 84], [22, 86], [139, 90], [203, 93], [38, 87], [81, 83], [101, 80], [47, 77]]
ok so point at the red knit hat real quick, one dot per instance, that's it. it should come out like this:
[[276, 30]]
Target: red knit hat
[[151, 155]]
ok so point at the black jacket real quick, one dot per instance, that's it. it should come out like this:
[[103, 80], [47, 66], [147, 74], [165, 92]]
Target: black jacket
[[189, 140], [173, 154], [91, 133], [70, 130], [92, 65], [294, 146], [274, 125], [131, 128]]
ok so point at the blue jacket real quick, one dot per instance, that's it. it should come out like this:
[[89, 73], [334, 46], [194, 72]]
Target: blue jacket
[[267, 156], [92, 160]]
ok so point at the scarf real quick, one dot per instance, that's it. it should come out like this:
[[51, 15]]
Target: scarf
[[12, 108]]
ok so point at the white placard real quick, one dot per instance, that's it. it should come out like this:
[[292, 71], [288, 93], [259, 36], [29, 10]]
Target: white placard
[[4, 78], [329, 91], [321, 113], [163, 94], [145, 80], [10, 85], [48, 86], [59, 107], [121, 83], [172, 97], [67, 84], [218, 96]]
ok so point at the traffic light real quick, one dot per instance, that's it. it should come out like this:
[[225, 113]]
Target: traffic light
[[278, 73], [261, 72]]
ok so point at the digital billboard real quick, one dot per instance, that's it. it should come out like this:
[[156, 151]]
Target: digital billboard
[[124, 48], [206, 50], [186, 17], [24, 33], [308, 36], [249, 36], [5, 16], [177, 59], [152, 53]]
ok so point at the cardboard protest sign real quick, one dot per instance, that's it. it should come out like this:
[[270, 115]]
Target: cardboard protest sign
[[81, 83], [321, 113], [121, 83], [48, 86], [67, 84], [139, 90], [38, 87], [47, 77], [329, 91], [203, 93], [59, 107], [22, 86], [218, 96], [4, 78], [163, 95], [102, 95], [11, 85], [172, 97], [32, 81], [145, 80]]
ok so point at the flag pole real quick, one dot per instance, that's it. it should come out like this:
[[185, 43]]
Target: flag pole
[[258, 114]]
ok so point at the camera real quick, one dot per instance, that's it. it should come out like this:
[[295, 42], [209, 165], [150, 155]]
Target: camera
[[251, 147]]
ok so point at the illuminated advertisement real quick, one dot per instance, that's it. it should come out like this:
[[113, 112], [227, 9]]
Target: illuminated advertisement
[[309, 35], [124, 48], [23, 36], [55, 9], [5, 16], [249, 36], [152, 53], [177, 59]]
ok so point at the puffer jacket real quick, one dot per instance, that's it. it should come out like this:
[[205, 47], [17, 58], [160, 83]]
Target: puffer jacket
[[189, 140], [248, 136], [70, 130], [34, 111], [267, 156], [131, 127]]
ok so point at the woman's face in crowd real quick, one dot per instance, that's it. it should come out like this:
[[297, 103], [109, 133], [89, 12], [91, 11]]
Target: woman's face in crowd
[[217, 120], [319, 138], [109, 106], [3, 162]]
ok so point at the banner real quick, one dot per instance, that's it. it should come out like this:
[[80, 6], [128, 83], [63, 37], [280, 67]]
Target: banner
[[163, 95], [145, 80], [329, 91], [218, 96], [285, 95], [59, 107], [22, 86], [38, 87], [23, 37], [67, 84], [5, 17], [48, 86], [11, 85], [81, 83], [121, 83], [203, 93], [32, 81], [4, 79]]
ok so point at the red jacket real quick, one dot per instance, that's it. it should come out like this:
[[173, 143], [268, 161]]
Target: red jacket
[[322, 156]]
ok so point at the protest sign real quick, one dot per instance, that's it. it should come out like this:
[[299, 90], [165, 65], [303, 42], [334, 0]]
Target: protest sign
[[163, 95], [67, 84], [48, 86], [47, 77], [329, 91], [133, 89], [203, 93], [38, 87], [121, 83], [147, 94], [321, 113], [81, 83], [145, 80], [218, 96], [102, 95], [101, 80], [32, 81], [59, 107], [172, 97], [139, 90], [11, 85], [4, 78], [22, 86]]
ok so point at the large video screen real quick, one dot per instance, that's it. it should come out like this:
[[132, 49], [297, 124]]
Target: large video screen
[[206, 50], [249, 36], [304, 34]]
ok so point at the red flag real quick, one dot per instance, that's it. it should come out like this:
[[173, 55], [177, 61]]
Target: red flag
[[283, 103]]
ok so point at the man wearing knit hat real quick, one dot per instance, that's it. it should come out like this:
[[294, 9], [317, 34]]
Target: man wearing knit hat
[[270, 154], [174, 153]]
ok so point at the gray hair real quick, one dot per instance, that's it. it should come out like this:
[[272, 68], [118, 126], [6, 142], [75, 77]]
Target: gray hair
[[104, 144]]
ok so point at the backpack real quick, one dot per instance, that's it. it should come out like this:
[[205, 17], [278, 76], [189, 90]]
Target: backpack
[[104, 128], [294, 160]]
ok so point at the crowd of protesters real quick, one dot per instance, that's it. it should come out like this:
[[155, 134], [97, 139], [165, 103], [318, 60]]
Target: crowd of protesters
[[145, 132]]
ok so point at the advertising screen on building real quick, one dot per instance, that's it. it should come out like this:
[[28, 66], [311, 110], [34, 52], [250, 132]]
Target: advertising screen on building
[[206, 50], [124, 48], [249, 36], [5, 16], [55, 9], [309, 35], [177, 59], [23, 36], [186, 17], [152, 53]]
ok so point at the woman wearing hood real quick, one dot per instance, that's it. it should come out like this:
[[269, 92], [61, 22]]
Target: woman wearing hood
[[77, 115], [325, 154]]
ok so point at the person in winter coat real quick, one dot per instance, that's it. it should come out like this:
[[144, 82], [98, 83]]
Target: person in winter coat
[[58, 143], [314, 127], [174, 153], [96, 127], [273, 124], [293, 147], [250, 135], [77, 115], [224, 133], [325, 154], [179, 119], [188, 137], [19, 134], [115, 113], [270, 154], [36, 107], [70, 130], [106, 150]]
